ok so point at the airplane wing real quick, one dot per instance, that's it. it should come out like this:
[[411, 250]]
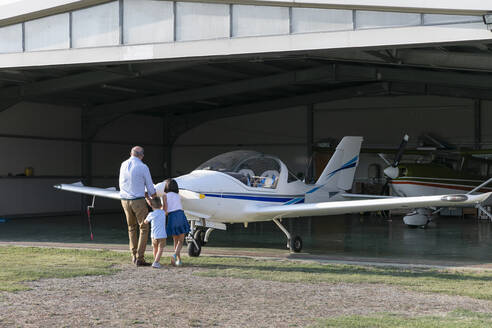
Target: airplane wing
[[259, 212], [365, 196], [78, 187]]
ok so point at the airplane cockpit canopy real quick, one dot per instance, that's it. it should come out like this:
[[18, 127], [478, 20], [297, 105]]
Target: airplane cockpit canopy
[[252, 168]]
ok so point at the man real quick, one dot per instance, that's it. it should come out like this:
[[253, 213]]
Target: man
[[134, 180]]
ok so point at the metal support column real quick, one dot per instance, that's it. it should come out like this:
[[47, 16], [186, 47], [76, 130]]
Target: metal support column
[[167, 141], [309, 142], [478, 123], [86, 157]]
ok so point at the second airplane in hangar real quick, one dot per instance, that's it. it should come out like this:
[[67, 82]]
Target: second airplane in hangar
[[247, 186], [432, 178]]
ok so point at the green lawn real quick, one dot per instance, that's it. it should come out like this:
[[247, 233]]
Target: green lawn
[[20, 264], [465, 283], [455, 319]]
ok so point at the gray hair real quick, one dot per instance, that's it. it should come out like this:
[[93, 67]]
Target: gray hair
[[137, 151]]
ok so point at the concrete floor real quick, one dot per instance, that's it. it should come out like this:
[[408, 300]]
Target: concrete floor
[[449, 240]]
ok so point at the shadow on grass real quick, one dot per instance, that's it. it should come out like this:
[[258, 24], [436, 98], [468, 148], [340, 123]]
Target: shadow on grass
[[343, 269]]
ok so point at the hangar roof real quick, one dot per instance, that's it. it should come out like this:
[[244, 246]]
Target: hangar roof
[[194, 91], [19, 10]]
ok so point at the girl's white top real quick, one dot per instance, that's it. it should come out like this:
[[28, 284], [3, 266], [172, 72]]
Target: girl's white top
[[173, 202]]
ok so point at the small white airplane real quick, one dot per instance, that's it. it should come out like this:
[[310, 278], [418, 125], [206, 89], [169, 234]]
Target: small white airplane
[[246, 186], [415, 179]]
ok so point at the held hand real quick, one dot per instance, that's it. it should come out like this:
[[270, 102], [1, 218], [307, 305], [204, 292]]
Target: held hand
[[147, 196]]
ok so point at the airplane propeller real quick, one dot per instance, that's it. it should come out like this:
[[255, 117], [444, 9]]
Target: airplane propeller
[[392, 170]]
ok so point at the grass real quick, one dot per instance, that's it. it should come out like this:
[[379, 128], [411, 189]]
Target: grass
[[455, 319], [22, 264], [465, 283]]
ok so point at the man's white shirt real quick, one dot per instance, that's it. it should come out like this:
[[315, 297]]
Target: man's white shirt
[[135, 179]]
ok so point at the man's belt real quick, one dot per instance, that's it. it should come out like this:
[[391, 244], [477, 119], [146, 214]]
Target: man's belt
[[133, 198]]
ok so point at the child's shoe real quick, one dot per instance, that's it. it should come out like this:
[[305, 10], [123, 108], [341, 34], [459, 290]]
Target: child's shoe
[[156, 265], [173, 259], [178, 263]]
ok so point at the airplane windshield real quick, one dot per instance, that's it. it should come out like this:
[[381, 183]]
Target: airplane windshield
[[251, 168]]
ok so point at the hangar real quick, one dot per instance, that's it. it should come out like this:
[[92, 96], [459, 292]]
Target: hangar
[[82, 81]]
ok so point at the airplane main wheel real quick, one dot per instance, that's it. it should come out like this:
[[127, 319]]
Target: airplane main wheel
[[296, 244], [193, 251], [200, 237]]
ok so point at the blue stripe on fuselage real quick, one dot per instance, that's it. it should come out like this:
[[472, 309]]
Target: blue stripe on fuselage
[[289, 200]]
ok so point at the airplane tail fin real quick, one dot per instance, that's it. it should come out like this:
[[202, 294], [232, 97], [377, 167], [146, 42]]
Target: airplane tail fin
[[340, 170]]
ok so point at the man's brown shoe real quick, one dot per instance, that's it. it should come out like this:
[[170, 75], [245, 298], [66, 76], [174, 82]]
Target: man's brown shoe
[[140, 263]]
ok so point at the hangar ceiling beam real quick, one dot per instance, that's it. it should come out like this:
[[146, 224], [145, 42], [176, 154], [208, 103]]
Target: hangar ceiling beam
[[397, 88], [338, 72], [230, 88], [453, 60], [416, 57], [4, 105], [82, 80], [395, 74], [367, 89]]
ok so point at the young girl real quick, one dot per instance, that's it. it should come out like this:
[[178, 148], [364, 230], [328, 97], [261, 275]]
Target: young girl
[[157, 219], [177, 223]]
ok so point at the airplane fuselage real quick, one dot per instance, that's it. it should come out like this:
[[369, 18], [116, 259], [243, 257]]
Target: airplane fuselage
[[225, 199], [424, 186]]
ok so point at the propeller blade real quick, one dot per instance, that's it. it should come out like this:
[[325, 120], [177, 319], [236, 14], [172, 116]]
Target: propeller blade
[[384, 159], [401, 149]]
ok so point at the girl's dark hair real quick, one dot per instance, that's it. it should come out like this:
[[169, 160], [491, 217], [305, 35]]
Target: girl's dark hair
[[171, 186]]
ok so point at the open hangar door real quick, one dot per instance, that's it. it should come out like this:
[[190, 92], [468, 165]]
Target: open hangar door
[[72, 123]]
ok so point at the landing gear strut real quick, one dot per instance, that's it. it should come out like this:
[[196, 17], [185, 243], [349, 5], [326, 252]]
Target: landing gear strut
[[294, 244], [196, 239]]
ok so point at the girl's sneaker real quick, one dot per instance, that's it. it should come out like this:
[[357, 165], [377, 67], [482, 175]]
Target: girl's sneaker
[[156, 265], [178, 263], [173, 259]]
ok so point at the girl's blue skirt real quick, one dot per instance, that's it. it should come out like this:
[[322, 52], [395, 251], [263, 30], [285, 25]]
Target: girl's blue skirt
[[177, 223]]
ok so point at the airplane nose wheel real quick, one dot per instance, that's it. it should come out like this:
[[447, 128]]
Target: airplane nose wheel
[[195, 241], [194, 245]]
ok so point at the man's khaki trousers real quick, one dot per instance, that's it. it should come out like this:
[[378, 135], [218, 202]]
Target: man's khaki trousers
[[136, 212]]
